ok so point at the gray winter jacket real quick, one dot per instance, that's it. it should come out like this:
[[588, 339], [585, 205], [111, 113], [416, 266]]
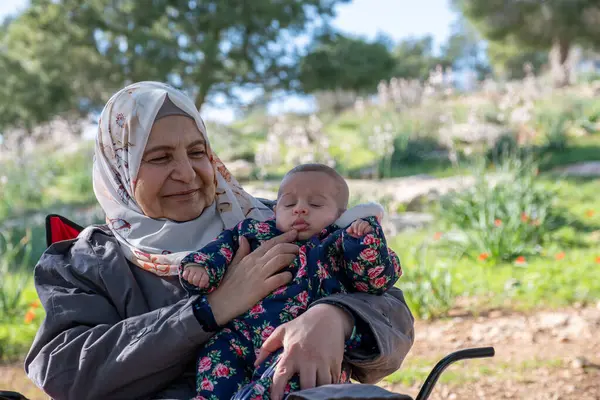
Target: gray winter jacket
[[115, 331]]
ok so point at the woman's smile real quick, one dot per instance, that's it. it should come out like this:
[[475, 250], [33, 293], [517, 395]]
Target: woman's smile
[[183, 195]]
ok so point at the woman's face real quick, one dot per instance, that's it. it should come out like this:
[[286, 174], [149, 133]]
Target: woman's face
[[176, 179]]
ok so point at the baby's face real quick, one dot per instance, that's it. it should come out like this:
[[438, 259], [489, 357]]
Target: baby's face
[[307, 203]]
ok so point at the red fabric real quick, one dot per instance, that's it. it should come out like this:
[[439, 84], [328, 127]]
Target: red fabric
[[61, 230]]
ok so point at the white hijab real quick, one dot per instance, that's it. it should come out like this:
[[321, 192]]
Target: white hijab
[[157, 245]]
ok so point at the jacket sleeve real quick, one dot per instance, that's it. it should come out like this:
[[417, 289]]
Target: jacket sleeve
[[369, 265], [215, 257], [388, 323], [92, 345]]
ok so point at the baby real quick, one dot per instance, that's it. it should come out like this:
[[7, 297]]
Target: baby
[[340, 251]]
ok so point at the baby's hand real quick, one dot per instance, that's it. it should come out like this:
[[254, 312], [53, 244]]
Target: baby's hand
[[196, 275], [359, 228]]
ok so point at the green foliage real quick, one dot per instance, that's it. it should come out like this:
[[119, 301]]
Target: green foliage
[[13, 260], [205, 47], [535, 25], [34, 182], [554, 128], [508, 59], [415, 58], [503, 221], [346, 63], [426, 283], [464, 49]]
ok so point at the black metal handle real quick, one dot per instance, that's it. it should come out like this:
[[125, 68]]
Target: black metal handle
[[435, 373]]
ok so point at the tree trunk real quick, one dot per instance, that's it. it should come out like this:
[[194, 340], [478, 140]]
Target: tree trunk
[[201, 97], [559, 62]]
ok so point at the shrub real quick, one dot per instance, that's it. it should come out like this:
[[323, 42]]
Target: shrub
[[503, 221]]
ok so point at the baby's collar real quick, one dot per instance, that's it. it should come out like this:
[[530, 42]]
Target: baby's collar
[[364, 210]]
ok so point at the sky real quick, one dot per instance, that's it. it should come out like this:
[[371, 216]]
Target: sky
[[396, 18]]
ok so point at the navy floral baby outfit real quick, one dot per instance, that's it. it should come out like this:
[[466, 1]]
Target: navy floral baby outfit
[[330, 262]]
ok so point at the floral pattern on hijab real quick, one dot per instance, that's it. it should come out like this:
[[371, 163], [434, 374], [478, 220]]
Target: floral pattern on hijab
[[156, 245]]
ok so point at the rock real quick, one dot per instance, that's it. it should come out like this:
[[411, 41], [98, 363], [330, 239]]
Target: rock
[[590, 168], [552, 320], [408, 220], [577, 327], [579, 362]]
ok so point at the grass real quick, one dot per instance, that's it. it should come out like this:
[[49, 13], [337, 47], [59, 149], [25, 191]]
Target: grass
[[580, 149], [564, 272], [415, 370]]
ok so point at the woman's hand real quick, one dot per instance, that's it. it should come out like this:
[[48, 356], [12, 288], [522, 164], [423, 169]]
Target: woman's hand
[[313, 347], [252, 276]]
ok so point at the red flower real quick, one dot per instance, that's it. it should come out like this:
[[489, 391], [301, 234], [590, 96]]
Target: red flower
[[357, 268], [29, 316], [524, 217], [237, 349], [520, 260], [294, 311], [204, 364], [227, 253], [369, 255], [498, 222], [262, 227], [301, 271], [375, 272], [303, 297], [379, 282], [437, 235], [207, 385], [590, 213], [560, 255], [268, 331], [370, 239], [221, 371], [282, 289], [361, 287], [598, 260], [302, 255], [257, 309], [483, 256], [200, 257]]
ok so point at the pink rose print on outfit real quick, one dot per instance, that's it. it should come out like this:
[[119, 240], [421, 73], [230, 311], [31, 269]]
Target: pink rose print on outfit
[[204, 364], [200, 257], [257, 310], [221, 371], [375, 272], [369, 255], [268, 331], [263, 228], [227, 253], [207, 385]]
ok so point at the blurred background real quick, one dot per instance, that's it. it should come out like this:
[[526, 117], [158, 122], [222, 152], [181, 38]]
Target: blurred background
[[475, 122]]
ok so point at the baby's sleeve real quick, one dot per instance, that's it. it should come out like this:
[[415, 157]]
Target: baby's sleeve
[[370, 266], [215, 257]]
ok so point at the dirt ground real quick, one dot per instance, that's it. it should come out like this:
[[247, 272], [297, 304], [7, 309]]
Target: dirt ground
[[544, 355], [539, 356]]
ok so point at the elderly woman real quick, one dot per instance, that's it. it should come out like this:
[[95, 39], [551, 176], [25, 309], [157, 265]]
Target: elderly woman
[[120, 326]]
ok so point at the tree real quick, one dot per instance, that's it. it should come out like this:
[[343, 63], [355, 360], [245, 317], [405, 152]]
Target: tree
[[509, 59], [465, 49], [542, 25], [338, 62], [86, 49], [415, 58]]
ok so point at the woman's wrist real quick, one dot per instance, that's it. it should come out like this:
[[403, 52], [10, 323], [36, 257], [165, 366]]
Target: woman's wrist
[[333, 311]]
